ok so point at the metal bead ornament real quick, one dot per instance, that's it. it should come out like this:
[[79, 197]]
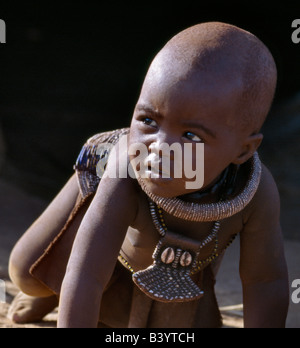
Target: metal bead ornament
[[213, 211], [176, 257], [168, 279]]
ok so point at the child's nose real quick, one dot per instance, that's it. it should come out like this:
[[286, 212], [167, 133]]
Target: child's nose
[[156, 147], [162, 150], [163, 137]]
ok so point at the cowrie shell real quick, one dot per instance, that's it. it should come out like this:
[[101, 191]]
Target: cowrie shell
[[168, 255], [186, 259]]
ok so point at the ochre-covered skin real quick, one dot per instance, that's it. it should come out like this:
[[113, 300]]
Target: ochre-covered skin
[[212, 83]]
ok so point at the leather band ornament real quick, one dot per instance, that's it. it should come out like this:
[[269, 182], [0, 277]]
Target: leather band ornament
[[168, 279]]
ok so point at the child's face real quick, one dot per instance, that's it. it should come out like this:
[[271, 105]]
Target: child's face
[[190, 110]]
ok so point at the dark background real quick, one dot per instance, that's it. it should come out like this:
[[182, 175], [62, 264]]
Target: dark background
[[74, 69]]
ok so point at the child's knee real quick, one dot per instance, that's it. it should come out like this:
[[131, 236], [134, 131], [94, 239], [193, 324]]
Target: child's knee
[[21, 277]]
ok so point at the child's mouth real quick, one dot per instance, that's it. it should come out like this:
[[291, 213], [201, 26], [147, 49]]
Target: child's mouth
[[153, 172]]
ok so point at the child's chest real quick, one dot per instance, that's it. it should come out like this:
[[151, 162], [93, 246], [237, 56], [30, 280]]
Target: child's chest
[[142, 237]]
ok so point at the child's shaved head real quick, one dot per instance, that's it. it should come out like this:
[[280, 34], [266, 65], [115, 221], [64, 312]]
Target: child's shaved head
[[212, 83], [221, 56]]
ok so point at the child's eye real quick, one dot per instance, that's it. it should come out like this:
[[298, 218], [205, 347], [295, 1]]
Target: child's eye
[[149, 122], [192, 136]]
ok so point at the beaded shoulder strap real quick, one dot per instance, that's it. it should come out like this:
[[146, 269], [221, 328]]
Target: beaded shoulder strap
[[89, 157]]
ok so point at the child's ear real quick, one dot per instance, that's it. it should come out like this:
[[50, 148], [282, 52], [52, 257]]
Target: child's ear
[[250, 146]]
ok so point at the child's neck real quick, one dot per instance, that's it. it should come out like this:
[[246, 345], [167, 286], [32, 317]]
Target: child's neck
[[209, 193]]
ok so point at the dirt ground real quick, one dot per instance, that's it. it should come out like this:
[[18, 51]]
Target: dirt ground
[[19, 210]]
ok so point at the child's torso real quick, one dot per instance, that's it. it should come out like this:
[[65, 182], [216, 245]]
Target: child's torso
[[142, 237]]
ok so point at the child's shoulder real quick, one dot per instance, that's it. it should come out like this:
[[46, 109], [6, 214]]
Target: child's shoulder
[[266, 202], [267, 189]]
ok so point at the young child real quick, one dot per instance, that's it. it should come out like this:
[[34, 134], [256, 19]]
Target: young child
[[145, 251]]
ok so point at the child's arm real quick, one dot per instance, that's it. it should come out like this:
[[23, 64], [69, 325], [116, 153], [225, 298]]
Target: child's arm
[[263, 267], [95, 251]]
